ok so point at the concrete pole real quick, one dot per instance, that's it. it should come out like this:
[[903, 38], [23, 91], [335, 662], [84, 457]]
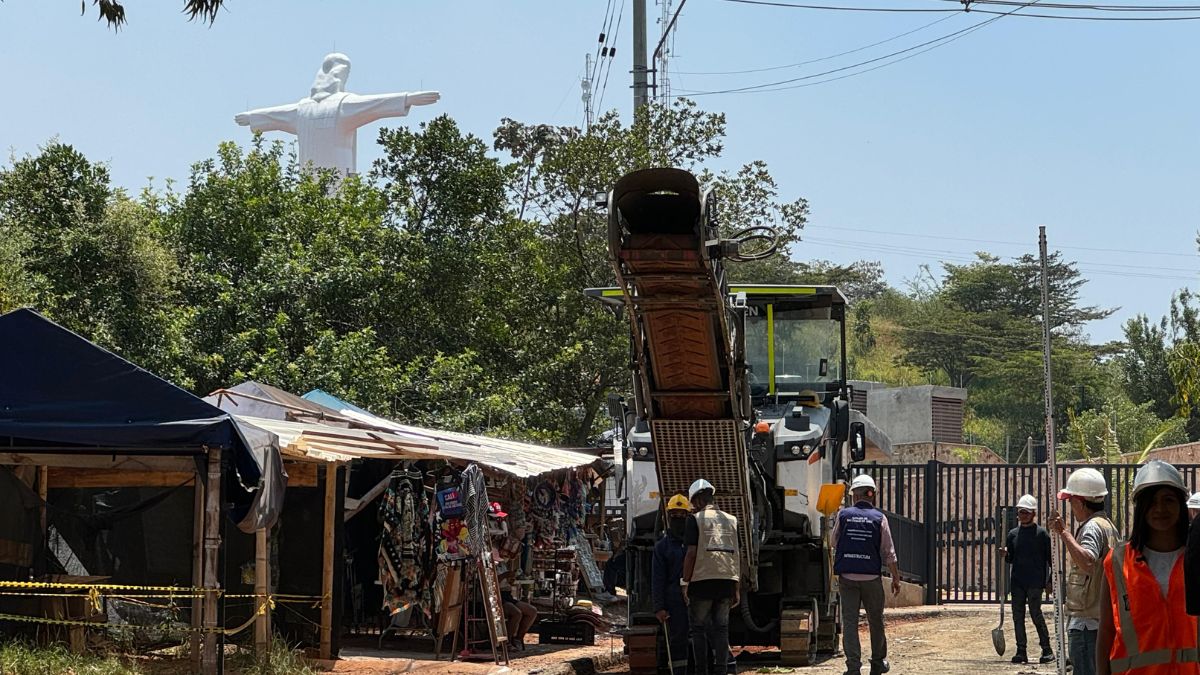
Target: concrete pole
[[640, 95]]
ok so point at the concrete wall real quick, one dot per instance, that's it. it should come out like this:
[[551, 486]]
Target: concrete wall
[[905, 414], [950, 453]]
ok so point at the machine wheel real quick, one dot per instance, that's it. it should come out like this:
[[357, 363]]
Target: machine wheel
[[798, 637]]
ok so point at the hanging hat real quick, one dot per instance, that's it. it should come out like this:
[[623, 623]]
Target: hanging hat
[[496, 511]]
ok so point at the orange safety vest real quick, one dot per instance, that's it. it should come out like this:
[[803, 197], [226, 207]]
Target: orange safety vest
[[1155, 635]]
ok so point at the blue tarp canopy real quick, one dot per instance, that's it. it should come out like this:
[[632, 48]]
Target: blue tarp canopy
[[59, 389]]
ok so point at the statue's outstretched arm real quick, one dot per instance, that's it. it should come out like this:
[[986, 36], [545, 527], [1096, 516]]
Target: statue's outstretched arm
[[278, 118], [360, 109]]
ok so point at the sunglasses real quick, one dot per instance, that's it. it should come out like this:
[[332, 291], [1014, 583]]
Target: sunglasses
[[1025, 512]]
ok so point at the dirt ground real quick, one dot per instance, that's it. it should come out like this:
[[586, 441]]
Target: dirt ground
[[947, 640], [535, 660], [927, 641]]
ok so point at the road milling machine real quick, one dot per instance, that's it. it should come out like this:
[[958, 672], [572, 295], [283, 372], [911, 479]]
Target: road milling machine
[[743, 385]]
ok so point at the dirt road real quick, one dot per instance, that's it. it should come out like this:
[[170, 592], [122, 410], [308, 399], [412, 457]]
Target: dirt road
[[934, 641]]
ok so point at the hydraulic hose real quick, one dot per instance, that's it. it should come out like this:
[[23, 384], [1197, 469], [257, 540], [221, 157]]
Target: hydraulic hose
[[748, 618]]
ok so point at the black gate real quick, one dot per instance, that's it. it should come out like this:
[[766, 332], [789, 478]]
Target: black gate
[[949, 520]]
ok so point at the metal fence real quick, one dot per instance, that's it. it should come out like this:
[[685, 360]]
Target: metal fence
[[949, 520]]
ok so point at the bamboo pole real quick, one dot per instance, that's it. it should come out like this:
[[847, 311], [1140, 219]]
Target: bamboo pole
[[197, 569], [262, 589], [211, 581], [327, 561]]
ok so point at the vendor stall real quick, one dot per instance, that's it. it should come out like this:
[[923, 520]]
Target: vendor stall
[[412, 495], [77, 417]]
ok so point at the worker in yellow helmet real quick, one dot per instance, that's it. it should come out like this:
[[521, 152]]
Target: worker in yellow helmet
[[665, 590]]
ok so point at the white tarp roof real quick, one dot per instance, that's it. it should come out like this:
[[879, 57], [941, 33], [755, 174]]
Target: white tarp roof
[[319, 442]]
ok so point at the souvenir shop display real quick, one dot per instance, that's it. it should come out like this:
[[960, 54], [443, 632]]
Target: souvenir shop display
[[404, 569]]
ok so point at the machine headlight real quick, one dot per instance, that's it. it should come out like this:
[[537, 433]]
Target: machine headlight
[[795, 450], [643, 451]]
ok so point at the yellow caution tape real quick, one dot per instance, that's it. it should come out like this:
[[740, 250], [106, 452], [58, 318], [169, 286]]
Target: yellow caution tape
[[263, 608], [106, 587]]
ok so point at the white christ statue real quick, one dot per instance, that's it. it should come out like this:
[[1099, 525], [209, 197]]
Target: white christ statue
[[326, 122]]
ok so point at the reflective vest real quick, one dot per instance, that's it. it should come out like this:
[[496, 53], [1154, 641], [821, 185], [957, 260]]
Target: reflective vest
[[717, 548], [1154, 635], [1083, 589], [859, 539]]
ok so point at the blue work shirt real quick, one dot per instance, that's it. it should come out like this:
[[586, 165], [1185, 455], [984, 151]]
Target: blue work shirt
[[666, 572]]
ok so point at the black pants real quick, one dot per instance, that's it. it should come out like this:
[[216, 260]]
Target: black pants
[[1031, 598]]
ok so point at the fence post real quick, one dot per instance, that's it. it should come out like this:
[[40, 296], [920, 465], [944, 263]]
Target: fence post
[[932, 490]]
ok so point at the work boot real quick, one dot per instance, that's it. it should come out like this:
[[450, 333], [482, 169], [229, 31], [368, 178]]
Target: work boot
[[882, 668], [1046, 657], [1020, 657]]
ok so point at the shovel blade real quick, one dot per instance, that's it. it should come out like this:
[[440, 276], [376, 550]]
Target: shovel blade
[[998, 640]]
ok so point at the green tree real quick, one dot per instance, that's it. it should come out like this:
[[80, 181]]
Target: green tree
[[113, 12], [87, 256]]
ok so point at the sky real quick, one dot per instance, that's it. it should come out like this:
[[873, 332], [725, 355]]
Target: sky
[[1086, 127]]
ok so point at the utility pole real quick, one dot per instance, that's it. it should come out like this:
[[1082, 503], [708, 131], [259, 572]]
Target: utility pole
[[1056, 546], [640, 96]]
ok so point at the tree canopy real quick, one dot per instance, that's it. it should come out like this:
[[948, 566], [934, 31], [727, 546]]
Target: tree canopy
[[444, 287]]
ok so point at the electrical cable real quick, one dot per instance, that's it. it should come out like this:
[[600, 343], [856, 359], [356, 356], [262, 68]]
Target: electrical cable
[[1091, 268], [930, 44], [1006, 243], [823, 58], [616, 34], [603, 41], [1097, 8]]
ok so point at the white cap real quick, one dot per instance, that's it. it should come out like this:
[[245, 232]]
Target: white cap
[[1027, 502], [1087, 483], [862, 481], [698, 486], [1194, 501]]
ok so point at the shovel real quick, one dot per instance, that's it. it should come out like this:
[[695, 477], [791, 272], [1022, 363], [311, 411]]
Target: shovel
[[998, 631]]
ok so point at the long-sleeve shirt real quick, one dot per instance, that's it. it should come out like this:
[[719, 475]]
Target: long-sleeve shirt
[[1029, 552], [666, 571], [887, 549]]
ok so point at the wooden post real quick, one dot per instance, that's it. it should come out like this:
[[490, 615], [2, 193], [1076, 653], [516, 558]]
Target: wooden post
[[197, 569], [212, 548], [327, 560], [262, 589], [43, 482]]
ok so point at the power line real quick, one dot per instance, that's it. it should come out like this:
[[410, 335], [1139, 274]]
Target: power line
[[1090, 267], [1019, 5], [611, 58], [1097, 8], [602, 43], [1006, 243], [840, 8], [929, 44], [823, 58]]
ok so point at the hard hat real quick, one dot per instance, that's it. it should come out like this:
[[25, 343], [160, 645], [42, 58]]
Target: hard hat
[[679, 502], [862, 481], [699, 485], [1157, 472], [1194, 501], [1027, 502], [1088, 483]]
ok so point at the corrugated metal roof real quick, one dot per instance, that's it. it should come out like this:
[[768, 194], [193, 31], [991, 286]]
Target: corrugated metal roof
[[521, 459], [389, 440]]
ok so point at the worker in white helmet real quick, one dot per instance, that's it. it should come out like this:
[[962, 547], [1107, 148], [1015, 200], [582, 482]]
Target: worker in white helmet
[[710, 580], [1027, 549], [1086, 548], [862, 543], [1145, 628]]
